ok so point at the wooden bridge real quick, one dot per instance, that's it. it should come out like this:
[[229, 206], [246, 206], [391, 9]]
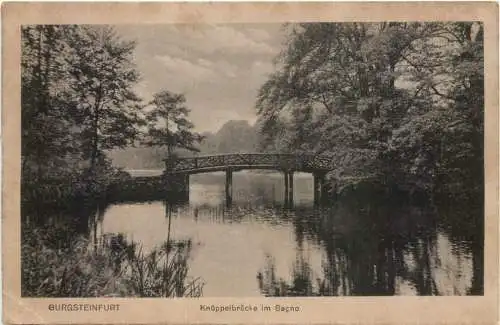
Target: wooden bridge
[[281, 162], [318, 165]]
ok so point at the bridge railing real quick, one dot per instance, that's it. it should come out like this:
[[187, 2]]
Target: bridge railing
[[269, 160]]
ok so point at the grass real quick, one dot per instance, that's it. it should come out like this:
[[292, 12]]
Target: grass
[[57, 263]]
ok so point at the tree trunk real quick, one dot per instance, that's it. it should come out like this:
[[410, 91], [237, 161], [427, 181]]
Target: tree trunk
[[95, 138], [95, 144], [39, 101]]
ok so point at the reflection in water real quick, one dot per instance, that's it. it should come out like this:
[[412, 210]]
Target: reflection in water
[[352, 248]]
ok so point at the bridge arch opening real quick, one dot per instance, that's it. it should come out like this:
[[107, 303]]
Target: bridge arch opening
[[271, 186]]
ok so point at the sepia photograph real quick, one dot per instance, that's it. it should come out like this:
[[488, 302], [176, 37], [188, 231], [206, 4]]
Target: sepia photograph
[[250, 163], [304, 159]]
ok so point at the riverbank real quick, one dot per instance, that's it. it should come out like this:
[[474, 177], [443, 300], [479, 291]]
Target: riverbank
[[58, 262], [77, 192]]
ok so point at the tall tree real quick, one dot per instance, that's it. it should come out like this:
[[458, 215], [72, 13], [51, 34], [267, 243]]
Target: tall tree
[[102, 80], [168, 123]]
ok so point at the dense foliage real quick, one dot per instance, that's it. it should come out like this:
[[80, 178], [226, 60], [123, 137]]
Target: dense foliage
[[400, 104], [77, 101]]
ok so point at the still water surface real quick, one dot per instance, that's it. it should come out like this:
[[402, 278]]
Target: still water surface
[[257, 248]]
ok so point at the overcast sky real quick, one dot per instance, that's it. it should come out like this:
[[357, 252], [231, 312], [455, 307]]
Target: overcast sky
[[219, 68]]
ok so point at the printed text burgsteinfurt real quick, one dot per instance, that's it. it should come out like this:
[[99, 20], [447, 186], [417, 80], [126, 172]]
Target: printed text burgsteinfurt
[[84, 307]]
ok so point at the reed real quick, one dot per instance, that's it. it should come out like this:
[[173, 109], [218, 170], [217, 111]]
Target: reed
[[112, 268]]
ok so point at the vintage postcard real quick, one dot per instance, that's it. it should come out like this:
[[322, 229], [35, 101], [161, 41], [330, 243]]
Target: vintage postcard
[[237, 163]]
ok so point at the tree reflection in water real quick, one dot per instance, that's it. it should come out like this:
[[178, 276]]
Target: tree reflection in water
[[381, 250]]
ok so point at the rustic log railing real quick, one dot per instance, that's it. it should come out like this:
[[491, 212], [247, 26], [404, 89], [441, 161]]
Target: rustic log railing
[[281, 162]]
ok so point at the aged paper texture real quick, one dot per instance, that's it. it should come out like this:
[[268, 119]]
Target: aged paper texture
[[250, 163]]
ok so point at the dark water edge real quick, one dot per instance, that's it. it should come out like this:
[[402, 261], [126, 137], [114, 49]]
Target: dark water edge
[[379, 230]]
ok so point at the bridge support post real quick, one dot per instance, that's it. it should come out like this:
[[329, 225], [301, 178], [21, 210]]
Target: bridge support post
[[288, 189], [319, 185], [229, 187], [186, 188]]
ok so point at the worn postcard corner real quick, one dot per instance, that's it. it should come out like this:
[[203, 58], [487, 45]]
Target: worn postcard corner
[[249, 163]]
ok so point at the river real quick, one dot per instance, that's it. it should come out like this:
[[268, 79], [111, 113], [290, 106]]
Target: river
[[257, 248]]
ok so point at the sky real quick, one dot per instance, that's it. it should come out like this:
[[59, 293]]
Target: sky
[[219, 68]]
